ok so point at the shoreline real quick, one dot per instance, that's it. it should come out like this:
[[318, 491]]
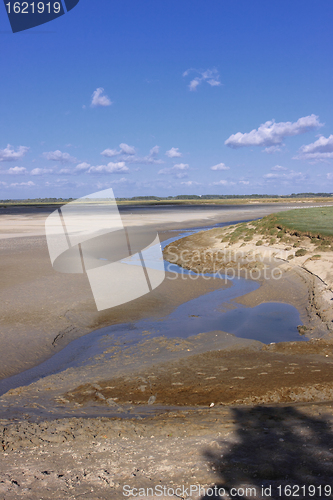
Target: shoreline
[[304, 281]]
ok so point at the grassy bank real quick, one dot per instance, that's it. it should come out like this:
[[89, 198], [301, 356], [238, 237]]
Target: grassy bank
[[297, 228]]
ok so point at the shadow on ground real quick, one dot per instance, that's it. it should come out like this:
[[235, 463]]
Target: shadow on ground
[[282, 450]]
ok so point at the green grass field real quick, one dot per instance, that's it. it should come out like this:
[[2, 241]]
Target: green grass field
[[308, 221]]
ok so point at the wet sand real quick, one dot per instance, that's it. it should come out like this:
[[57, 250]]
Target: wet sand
[[226, 444], [41, 310], [241, 447]]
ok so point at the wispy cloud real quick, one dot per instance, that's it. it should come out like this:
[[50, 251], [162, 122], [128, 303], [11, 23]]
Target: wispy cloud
[[41, 171], [272, 133], [177, 169], [100, 99], [224, 183], [109, 153], [320, 150], [191, 183], [150, 159], [126, 149], [128, 154], [9, 153], [291, 175], [210, 76], [220, 166], [22, 184], [173, 153], [81, 167], [272, 149], [64, 183], [110, 168], [59, 156], [278, 168], [15, 171], [123, 181]]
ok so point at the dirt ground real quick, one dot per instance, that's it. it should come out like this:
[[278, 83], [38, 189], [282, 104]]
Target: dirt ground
[[241, 452]]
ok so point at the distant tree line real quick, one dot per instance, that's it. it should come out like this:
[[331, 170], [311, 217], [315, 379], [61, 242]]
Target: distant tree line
[[180, 197], [38, 200], [224, 196]]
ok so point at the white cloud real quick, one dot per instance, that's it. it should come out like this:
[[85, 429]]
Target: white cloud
[[99, 98], [154, 151], [59, 156], [64, 183], [110, 168], [21, 184], [125, 148], [191, 183], [16, 171], [290, 176], [220, 166], [109, 153], [210, 76], [181, 166], [176, 169], [9, 154], [245, 183], [173, 153], [272, 133], [64, 171], [224, 183], [194, 84], [128, 155], [278, 168], [121, 181], [181, 175], [82, 167], [321, 149], [329, 176], [148, 160], [272, 149], [41, 171]]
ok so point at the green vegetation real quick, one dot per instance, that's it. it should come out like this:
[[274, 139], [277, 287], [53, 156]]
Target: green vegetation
[[313, 222], [297, 228]]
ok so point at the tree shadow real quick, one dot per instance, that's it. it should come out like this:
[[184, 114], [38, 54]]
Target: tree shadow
[[272, 447]]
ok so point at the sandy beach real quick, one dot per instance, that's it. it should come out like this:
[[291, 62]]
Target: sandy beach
[[172, 412]]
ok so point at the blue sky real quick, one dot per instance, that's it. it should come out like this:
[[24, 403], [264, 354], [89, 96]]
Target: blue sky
[[167, 98]]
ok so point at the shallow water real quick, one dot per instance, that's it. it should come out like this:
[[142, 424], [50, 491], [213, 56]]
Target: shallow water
[[268, 322]]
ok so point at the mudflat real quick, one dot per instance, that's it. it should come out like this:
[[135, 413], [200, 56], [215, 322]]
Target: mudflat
[[41, 310], [169, 412]]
